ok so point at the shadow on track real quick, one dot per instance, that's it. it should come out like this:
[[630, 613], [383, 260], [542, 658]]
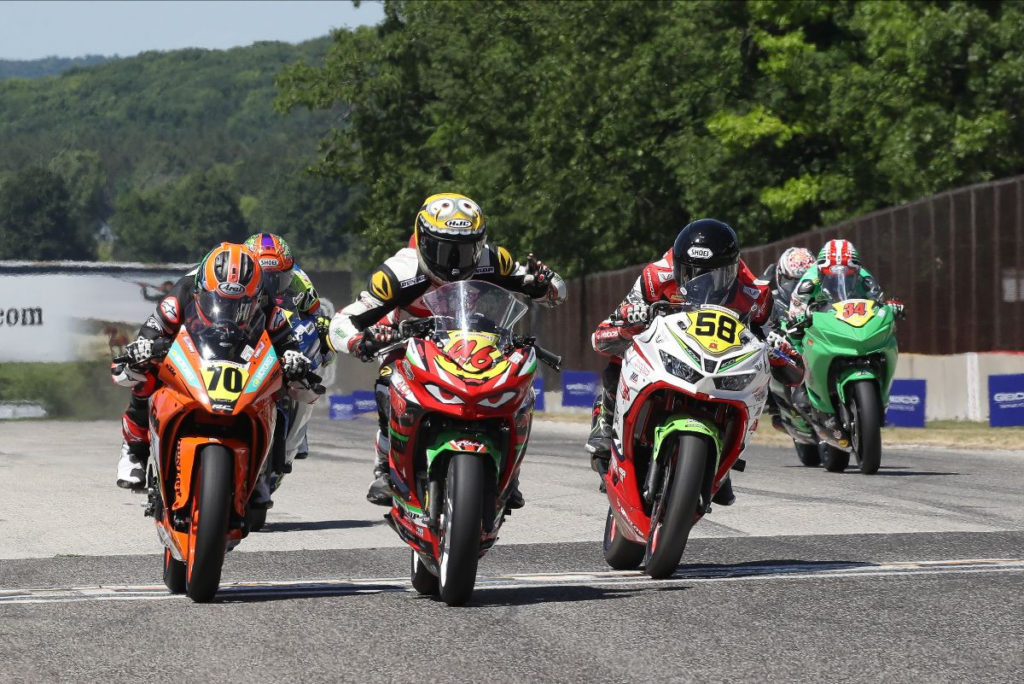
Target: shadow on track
[[318, 525], [528, 596]]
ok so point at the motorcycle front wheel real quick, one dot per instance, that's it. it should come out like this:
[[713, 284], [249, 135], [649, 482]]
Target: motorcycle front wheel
[[866, 409], [619, 552], [211, 507], [460, 527], [670, 532]]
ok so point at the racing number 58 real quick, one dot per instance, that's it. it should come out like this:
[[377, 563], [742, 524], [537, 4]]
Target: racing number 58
[[713, 323]]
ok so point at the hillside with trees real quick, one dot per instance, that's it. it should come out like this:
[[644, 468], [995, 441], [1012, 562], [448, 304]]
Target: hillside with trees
[[171, 151], [591, 131], [47, 66]]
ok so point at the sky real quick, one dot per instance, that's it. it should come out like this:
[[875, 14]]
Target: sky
[[33, 29]]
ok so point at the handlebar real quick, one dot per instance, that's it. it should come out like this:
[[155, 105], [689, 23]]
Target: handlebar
[[160, 348]]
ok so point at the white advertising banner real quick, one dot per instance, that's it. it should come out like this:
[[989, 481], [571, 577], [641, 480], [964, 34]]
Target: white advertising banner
[[75, 311]]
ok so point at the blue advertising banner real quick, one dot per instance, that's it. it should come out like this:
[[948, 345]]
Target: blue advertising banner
[[906, 403], [1005, 400], [579, 388], [538, 387], [342, 407], [364, 401]]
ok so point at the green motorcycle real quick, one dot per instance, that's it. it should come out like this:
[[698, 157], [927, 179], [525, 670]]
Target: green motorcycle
[[849, 350]]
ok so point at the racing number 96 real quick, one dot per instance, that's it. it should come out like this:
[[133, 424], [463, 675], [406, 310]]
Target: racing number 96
[[716, 324]]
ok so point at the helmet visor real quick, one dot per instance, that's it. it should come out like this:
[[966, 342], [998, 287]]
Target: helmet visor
[[275, 283], [718, 283], [217, 308], [449, 259]]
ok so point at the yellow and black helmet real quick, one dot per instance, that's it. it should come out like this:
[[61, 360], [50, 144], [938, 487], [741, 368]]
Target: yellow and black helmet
[[449, 236]]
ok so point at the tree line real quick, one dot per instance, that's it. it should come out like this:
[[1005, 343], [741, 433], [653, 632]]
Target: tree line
[[592, 131], [157, 157], [589, 131]]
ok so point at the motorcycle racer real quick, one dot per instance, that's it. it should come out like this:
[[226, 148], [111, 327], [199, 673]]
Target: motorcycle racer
[[837, 257], [449, 243], [783, 276], [226, 284], [702, 246]]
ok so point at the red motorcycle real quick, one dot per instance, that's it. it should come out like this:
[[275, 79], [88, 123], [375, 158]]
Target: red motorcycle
[[461, 409]]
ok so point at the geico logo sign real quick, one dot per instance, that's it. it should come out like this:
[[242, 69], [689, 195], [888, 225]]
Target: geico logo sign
[[580, 387], [905, 399], [1009, 396], [25, 316]]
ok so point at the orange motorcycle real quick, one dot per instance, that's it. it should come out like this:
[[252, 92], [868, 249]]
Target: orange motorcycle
[[211, 425]]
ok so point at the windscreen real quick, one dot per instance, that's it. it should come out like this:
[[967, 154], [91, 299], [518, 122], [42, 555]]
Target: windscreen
[[474, 305]]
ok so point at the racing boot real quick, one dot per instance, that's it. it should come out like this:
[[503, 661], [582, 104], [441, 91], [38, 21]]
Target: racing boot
[[380, 488], [515, 497], [131, 467], [303, 451], [724, 495], [261, 495], [600, 442]]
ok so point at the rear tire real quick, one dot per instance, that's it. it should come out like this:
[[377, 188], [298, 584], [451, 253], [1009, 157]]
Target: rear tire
[[866, 408], [174, 573], [210, 510], [619, 552], [808, 454], [835, 459], [462, 522], [669, 535], [423, 581]]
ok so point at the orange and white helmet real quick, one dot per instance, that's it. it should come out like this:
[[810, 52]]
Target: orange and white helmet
[[228, 285], [449, 236]]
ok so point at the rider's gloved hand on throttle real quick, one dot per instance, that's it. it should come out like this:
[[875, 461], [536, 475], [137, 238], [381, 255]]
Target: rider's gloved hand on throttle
[[635, 314], [295, 365], [897, 308], [375, 338], [139, 351], [777, 342]]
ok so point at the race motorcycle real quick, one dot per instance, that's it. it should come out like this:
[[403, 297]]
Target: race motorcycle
[[461, 407], [850, 350], [787, 417], [294, 411], [211, 425], [691, 389]]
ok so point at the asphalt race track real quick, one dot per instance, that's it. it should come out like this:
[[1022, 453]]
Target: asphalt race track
[[915, 574]]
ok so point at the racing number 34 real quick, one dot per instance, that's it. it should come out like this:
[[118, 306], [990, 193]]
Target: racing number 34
[[714, 324]]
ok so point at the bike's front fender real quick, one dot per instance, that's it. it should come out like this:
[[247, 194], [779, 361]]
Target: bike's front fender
[[452, 442], [681, 423], [853, 375]]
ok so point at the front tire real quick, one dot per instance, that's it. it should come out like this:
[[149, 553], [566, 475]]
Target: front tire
[[460, 529], [669, 534], [866, 409], [619, 552], [423, 581], [210, 510]]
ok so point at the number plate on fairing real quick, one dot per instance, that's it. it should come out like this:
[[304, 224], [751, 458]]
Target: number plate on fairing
[[855, 312], [716, 331]]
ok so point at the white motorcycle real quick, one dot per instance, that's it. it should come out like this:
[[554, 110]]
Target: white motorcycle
[[692, 387]]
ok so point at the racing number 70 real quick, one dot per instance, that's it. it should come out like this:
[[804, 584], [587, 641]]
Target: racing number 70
[[713, 323]]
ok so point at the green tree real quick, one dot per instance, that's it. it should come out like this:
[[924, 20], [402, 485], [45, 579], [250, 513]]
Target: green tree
[[179, 223], [37, 221]]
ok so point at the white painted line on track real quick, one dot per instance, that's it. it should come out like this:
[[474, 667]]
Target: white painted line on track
[[241, 591]]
